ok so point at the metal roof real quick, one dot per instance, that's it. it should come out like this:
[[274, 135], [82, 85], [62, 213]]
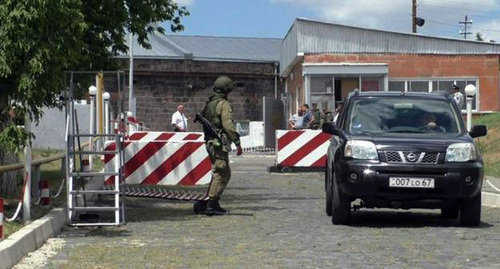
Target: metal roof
[[209, 48], [308, 36]]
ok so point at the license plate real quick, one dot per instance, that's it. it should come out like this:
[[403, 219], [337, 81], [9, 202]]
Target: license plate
[[411, 182]]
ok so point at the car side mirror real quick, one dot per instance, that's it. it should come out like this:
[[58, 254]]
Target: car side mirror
[[478, 131], [330, 128]]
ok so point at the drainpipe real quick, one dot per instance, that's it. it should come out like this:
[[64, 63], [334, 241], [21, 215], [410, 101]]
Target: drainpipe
[[276, 80]]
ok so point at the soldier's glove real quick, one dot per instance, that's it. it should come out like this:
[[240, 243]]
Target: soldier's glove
[[239, 151]]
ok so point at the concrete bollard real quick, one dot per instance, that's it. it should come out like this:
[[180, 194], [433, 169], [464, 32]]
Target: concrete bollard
[[44, 193], [86, 165]]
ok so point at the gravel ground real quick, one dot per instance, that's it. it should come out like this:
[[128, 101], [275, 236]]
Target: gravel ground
[[275, 221]]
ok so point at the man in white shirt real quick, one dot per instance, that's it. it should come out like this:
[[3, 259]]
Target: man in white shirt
[[458, 96], [179, 120], [296, 122]]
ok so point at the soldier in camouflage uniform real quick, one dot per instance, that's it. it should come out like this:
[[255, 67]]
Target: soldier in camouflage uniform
[[327, 115], [219, 111], [317, 117]]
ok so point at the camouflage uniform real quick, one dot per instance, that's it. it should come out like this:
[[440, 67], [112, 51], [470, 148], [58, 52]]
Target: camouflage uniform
[[317, 119], [327, 117], [219, 112]]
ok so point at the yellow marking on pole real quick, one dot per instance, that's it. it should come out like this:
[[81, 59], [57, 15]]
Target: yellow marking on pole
[[100, 103]]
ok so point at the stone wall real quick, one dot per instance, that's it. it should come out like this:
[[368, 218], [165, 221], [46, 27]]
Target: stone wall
[[161, 85]]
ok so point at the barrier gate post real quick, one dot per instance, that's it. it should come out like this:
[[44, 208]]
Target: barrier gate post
[[1, 219]]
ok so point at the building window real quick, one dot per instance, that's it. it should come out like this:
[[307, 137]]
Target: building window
[[419, 86], [321, 84], [372, 84], [397, 86], [434, 84], [322, 91]]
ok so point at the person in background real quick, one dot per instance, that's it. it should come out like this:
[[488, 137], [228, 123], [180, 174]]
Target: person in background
[[458, 96], [308, 116], [327, 115], [296, 122], [337, 112], [179, 120], [428, 122], [317, 117]]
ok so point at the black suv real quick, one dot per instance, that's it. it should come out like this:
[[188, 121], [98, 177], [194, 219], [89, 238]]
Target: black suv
[[403, 150]]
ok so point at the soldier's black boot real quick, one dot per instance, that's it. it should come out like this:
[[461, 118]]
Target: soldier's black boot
[[213, 208], [200, 207], [217, 205]]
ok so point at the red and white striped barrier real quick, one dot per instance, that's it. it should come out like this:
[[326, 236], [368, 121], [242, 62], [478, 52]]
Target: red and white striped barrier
[[166, 136], [44, 193], [301, 148], [162, 163], [1, 219]]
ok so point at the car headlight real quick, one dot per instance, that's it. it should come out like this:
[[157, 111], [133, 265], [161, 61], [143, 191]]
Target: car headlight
[[359, 149], [461, 152]]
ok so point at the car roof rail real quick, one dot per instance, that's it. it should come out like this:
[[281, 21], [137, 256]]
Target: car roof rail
[[356, 92], [443, 93]]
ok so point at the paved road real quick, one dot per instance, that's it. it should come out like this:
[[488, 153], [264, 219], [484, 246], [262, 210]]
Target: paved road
[[276, 221]]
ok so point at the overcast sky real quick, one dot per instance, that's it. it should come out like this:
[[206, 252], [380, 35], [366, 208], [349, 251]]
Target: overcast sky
[[273, 18]]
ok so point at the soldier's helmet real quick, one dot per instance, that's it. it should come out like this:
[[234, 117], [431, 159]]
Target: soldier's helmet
[[223, 84]]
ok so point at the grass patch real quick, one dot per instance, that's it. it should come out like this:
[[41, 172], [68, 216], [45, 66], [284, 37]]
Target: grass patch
[[53, 174], [50, 172], [489, 145]]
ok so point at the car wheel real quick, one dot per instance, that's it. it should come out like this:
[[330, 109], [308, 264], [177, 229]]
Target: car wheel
[[470, 213], [341, 204], [450, 212], [328, 190]]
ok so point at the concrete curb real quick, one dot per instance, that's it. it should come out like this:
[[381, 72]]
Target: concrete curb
[[31, 237], [491, 199]]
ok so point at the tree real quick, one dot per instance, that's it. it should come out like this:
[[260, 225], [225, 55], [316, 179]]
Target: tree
[[41, 39], [479, 37]]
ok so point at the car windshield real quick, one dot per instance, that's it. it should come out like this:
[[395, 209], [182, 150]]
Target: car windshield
[[399, 116]]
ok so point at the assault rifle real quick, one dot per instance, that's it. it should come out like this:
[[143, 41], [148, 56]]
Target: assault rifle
[[211, 132]]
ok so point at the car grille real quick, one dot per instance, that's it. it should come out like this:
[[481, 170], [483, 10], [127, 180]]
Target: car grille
[[411, 157]]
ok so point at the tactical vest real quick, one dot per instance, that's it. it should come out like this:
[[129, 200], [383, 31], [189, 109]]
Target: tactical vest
[[329, 116], [209, 112]]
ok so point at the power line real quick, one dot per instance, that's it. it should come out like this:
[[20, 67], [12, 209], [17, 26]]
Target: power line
[[429, 32], [454, 8], [448, 12], [464, 3], [456, 26], [444, 23]]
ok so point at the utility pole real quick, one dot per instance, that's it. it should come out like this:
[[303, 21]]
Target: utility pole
[[465, 23], [414, 16]]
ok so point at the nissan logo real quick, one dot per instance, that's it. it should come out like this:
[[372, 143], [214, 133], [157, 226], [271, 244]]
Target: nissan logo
[[411, 157]]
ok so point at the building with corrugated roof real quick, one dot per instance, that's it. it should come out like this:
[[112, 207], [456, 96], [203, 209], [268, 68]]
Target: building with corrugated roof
[[316, 62], [321, 62], [182, 69]]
